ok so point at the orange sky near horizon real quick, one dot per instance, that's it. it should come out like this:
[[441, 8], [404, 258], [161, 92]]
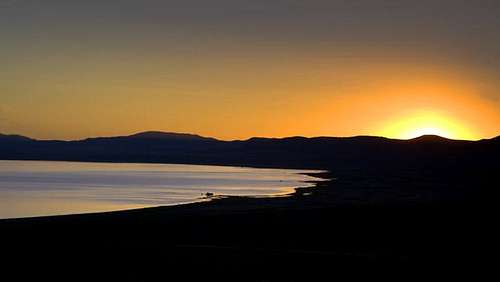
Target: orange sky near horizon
[[311, 99]]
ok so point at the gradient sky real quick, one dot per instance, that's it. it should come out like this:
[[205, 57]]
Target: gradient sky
[[233, 69]]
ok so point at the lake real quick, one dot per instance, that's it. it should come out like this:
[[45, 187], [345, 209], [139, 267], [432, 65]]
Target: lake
[[40, 188]]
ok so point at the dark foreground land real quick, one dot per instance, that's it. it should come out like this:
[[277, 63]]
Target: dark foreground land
[[430, 214]]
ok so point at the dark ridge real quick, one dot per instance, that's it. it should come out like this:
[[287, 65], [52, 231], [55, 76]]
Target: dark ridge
[[168, 135], [155, 135], [495, 139], [366, 152], [14, 138], [431, 138]]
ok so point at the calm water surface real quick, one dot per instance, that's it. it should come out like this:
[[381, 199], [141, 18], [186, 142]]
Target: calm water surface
[[37, 188]]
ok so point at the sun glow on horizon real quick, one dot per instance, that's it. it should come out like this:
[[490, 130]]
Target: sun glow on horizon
[[428, 123]]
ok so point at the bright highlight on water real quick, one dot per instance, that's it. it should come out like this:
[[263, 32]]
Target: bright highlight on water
[[40, 188]]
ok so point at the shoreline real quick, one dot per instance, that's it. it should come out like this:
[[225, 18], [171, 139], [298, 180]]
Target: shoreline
[[321, 175]]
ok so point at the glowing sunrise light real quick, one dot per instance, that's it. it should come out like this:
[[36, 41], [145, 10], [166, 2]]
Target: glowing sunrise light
[[427, 123]]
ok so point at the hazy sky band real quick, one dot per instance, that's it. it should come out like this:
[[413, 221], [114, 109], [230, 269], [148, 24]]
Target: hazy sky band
[[233, 69]]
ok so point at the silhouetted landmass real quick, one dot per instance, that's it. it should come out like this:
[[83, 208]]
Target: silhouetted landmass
[[292, 152], [13, 138], [403, 208]]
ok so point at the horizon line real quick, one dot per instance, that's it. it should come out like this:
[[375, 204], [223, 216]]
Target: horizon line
[[249, 138]]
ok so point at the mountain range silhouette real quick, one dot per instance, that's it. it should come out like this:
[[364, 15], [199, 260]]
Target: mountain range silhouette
[[289, 152]]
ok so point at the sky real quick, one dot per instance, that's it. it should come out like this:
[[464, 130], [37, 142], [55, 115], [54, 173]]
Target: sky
[[233, 69]]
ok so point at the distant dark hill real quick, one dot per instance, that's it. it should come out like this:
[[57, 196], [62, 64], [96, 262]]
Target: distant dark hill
[[14, 138], [361, 152], [157, 135], [431, 138]]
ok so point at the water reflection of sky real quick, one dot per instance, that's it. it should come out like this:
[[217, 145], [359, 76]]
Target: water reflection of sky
[[34, 188]]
